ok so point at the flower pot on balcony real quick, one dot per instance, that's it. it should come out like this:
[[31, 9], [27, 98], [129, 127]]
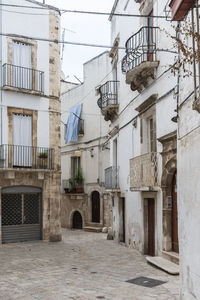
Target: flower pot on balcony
[[43, 160], [79, 189]]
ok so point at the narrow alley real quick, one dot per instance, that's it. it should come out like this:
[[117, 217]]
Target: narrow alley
[[83, 266]]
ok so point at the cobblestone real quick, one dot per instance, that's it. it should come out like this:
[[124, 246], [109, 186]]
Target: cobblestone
[[84, 266]]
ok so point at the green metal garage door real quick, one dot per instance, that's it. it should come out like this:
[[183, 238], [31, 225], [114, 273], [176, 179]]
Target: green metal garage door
[[21, 215]]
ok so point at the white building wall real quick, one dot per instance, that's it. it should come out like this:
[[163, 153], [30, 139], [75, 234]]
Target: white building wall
[[20, 100], [96, 72], [129, 136]]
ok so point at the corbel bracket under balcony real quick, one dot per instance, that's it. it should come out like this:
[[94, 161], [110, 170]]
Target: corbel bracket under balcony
[[139, 76]]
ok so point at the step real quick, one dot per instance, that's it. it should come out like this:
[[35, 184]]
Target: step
[[172, 256], [163, 264], [93, 229]]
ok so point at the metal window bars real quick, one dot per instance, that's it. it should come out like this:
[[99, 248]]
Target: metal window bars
[[23, 78], [108, 94], [140, 47], [16, 156]]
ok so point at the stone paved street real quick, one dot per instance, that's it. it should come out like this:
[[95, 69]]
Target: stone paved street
[[83, 266]]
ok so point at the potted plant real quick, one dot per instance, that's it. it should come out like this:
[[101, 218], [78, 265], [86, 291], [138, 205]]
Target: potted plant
[[72, 183], [79, 180], [43, 154]]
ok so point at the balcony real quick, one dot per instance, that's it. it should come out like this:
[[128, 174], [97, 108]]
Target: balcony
[[24, 79], [81, 127], [144, 172], [13, 156], [108, 102], [180, 8], [140, 63], [112, 178]]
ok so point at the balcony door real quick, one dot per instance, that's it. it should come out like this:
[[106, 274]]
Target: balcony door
[[150, 37], [22, 140], [21, 66]]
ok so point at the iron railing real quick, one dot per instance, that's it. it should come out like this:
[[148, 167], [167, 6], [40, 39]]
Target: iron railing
[[15, 156], [144, 171], [112, 178], [23, 78], [140, 47], [108, 93], [81, 127]]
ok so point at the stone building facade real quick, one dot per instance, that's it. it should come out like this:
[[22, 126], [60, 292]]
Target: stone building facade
[[30, 172]]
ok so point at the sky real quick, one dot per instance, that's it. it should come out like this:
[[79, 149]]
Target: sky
[[82, 28]]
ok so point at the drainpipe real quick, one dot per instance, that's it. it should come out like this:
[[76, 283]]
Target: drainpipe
[[198, 42], [1, 79], [194, 63]]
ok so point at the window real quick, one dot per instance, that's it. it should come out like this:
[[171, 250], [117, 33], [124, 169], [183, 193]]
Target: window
[[75, 164], [21, 66], [22, 140], [151, 135]]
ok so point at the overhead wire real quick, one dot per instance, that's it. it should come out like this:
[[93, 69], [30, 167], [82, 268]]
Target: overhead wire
[[83, 11]]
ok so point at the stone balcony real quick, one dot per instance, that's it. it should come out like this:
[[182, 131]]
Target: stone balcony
[[139, 63], [108, 101], [144, 172]]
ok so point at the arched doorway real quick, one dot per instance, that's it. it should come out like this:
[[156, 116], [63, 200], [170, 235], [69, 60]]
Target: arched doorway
[[95, 207], [77, 222], [175, 246]]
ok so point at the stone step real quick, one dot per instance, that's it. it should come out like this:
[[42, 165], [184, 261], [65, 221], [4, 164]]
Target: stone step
[[92, 229], [172, 256], [163, 264]]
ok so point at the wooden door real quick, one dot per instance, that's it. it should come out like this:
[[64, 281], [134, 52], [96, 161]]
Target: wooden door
[[77, 222], [122, 220], [95, 207], [151, 226], [175, 246]]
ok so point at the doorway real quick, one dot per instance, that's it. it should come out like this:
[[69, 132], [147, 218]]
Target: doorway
[[77, 222], [95, 207], [122, 232], [149, 226], [175, 246]]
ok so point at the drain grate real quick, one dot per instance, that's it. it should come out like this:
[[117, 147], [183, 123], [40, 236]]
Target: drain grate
[[145, 281]]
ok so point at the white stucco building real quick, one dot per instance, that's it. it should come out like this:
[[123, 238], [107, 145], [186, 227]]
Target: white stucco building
[[90, 206], [30, 122], [188, 143], [142, 136]]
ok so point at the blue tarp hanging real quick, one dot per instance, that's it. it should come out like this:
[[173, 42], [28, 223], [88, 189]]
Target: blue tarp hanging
[[73, 124]]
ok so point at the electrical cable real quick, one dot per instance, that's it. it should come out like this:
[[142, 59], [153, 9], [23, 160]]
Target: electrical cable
[[85, 12], [59, 41]]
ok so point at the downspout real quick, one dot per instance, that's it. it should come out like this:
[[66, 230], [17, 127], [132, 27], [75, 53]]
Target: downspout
[[194, 53], [198, 41], [1, 74]]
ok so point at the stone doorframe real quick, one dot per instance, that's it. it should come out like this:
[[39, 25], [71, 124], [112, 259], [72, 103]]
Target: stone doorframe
[[169, 166]]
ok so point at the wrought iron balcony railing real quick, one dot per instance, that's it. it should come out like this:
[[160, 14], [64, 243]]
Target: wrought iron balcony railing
[[23, 78], [140, 47], [108, 93], [144, 171], [112, 178], [14, 156]]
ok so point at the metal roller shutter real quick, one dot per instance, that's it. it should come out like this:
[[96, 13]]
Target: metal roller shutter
[[21, 217]]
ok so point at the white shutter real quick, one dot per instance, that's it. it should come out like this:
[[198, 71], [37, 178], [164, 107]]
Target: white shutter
[[22, 140], [21, 69]]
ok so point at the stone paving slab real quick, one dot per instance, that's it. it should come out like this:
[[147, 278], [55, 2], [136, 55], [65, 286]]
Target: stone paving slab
[[83, 266]]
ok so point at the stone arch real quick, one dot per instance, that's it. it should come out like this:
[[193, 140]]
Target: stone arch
[[72, 217], [166, 182]]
